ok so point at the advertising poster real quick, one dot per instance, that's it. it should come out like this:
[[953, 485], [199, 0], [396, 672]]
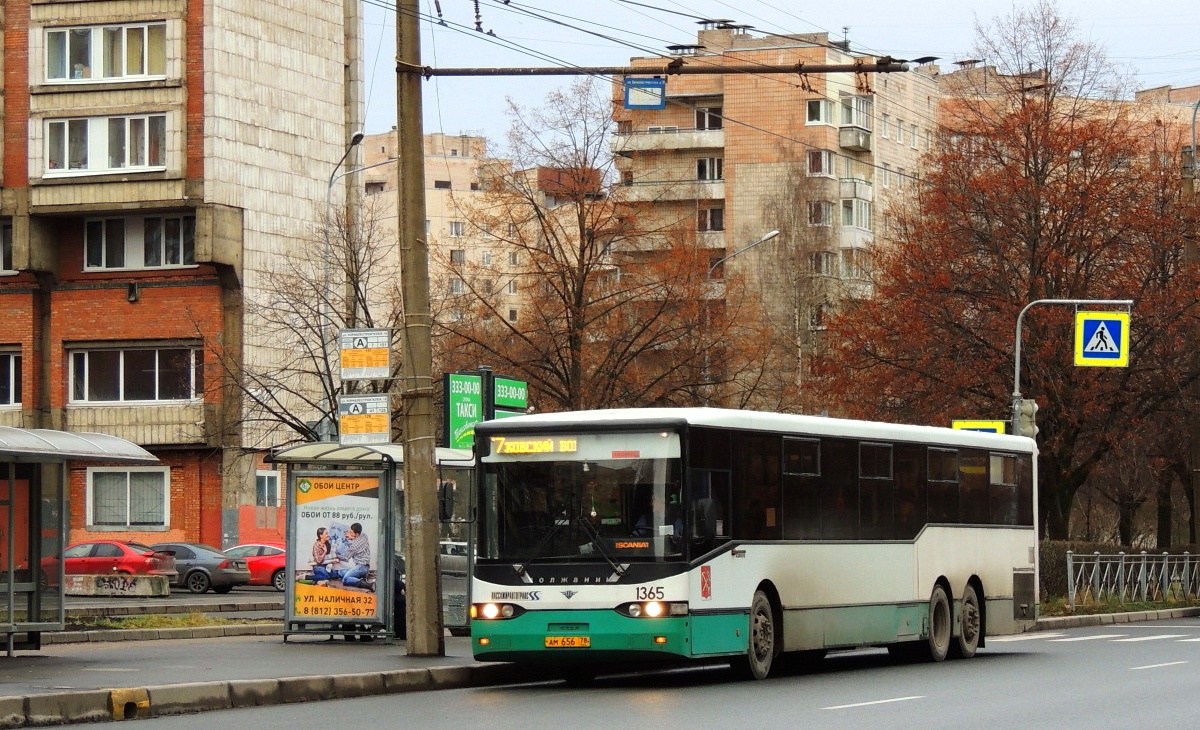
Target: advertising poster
[[336, 551]]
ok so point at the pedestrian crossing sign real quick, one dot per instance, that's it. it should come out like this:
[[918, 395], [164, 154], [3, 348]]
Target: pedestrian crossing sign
[[1102, 339]]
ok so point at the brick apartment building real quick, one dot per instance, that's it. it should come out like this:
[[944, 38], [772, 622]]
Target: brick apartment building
[[814, 157], [158, 155]]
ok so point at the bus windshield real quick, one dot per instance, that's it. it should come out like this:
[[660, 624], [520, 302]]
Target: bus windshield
[[619, 510]]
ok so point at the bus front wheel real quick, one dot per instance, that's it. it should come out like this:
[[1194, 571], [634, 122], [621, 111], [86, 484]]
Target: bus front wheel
[[761, 652]]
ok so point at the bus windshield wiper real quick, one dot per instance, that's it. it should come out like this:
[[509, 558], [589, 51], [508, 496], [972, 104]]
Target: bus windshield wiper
[[591, 530], [541, 544]]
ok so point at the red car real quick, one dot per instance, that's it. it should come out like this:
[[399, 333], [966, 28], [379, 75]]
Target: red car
[[105, 557], [267, 562]]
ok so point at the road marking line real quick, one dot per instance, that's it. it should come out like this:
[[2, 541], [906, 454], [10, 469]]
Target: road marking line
[[110, 669], [875, 702], [1150, 638], [1089, 638], [1182, 640], [1020, 637], [1156, 666]]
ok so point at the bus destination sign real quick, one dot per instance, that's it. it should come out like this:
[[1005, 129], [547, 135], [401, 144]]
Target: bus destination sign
[[506, 445]]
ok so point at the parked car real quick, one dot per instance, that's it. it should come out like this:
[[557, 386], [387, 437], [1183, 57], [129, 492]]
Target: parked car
[[105, 557], [267, 562], [201, 567]]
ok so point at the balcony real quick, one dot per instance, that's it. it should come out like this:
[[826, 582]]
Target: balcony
[[657, 139], [852, 187], [854, 138], [167, 423], [655, 191], [852, 237]]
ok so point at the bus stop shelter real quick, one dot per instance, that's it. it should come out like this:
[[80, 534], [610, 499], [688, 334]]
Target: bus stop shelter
[[332, 490], [34, 522]]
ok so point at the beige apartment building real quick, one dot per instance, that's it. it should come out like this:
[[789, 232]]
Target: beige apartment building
[[160, 157], [816, 157], [463, 252]]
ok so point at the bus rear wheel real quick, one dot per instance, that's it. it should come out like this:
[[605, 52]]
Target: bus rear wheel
[[761, 653], [972, 625], [941, 622]]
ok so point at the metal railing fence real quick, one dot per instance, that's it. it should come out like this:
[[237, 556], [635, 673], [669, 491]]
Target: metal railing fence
[[1126, 578]]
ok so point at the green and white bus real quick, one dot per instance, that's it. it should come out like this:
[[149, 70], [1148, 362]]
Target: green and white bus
[[623, 537]]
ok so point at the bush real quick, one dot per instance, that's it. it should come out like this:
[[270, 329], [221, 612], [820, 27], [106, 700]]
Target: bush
[[1052, 565], [1053, 561]]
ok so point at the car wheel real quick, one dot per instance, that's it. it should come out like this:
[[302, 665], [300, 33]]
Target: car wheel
[[279, 580], [197, 582]]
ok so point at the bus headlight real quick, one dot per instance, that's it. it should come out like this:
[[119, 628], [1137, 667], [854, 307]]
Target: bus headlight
[[492, 611], [653, 609]]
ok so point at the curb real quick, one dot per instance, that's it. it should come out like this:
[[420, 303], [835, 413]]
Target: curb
[[178, 699], [1056, 623], [195, 632]]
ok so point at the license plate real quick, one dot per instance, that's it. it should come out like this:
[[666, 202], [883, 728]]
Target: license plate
[[568, 642]]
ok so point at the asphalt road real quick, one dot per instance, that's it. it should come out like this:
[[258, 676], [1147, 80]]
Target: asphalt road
[[1128, 675]]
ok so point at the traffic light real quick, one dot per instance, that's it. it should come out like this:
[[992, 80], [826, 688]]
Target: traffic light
[[1026, 417]]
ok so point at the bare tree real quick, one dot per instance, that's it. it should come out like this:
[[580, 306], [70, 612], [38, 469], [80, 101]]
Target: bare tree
[[595, 305], [344, 276]]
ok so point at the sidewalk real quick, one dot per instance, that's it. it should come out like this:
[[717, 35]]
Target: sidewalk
[[110, 678], [90, 682]]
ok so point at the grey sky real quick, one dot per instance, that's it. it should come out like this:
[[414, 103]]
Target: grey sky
[[1159, 39]]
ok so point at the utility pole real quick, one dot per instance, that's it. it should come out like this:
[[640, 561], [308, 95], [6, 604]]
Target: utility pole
[[1191, 259], [424, 615]]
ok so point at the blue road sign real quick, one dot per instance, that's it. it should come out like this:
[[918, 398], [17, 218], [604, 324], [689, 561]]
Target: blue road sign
[[1102, 339]]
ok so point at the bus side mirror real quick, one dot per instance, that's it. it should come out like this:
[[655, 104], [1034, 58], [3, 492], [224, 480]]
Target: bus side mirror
[[446, 501]]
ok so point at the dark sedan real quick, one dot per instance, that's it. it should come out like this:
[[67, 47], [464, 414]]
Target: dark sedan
[[201, 567]]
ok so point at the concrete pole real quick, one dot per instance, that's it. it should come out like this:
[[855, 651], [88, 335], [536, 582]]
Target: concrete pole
[[420, 477]]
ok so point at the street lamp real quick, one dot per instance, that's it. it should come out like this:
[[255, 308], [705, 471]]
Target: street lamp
[[325, 425], [708, 278], [764, 239]]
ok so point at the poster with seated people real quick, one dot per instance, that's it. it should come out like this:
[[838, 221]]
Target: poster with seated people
[[336, 548]]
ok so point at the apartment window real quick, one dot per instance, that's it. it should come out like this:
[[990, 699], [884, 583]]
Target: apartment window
[[374, 188], [822, 263], [856, 213], [817, 316], [513, 258], [441, 184], [901, 177], [454, 153], [486, 258], [512, 315], [912, 136], [10, 378], [711, 219], [708, 117], [106, 52], [136, 374], [855, 262], [266, 488], [885, 121], [856, 111], [512, 286], [140, 242], [820, 213], [6, 247], [129, 498], [458, 256], [900, 131], [886, 174], [103, 144], [710, 168], [457, 287], [820, 162], [458, 229], [820, 111], [626, 177]]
